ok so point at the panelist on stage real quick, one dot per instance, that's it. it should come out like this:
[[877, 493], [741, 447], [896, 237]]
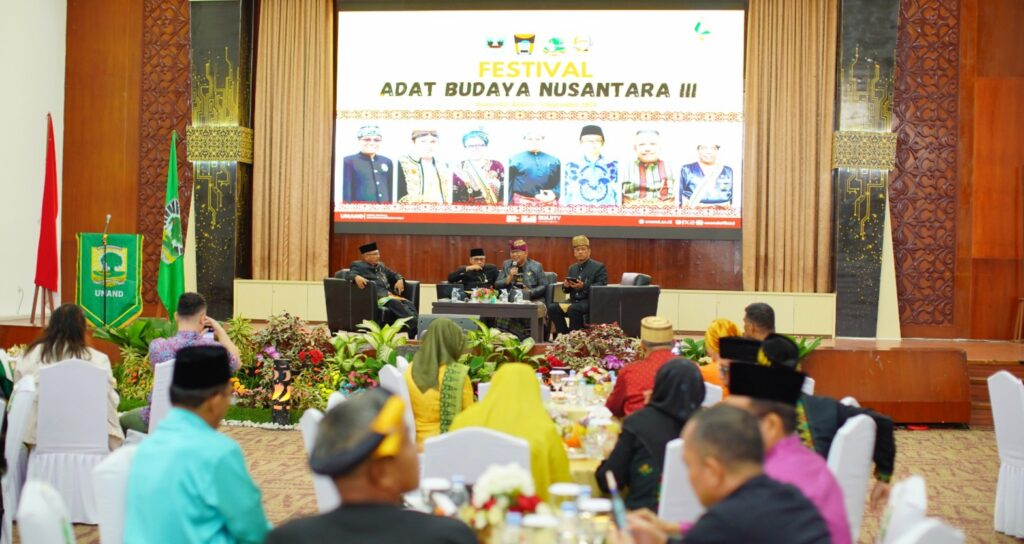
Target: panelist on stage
[[367, 176], [521, 272], [583, 274], [533, 175], [389, 284], [477, 273]]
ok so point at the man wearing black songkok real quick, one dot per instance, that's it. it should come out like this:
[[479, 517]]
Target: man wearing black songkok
[[478, 273], [389, 285]]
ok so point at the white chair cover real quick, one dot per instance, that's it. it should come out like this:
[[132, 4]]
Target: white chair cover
[[401, 363], [678, 501], [931, 531], [392, 380], [163, 374], [908, 506], [42, 516], [71, 435], [468, 452], [808, 387], [22, 399], [712, 394], [335, 399], [327, 497], [1007, 396], [849, 459], [850, 401], [110, 480]]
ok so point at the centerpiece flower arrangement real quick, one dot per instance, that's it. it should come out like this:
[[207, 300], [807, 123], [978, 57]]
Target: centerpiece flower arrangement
[[594, 375], [499, 490], [604, 346], [484, 294]]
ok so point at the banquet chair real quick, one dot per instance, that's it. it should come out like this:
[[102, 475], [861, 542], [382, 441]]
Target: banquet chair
[[712, 394], [849, 459], [678, 501], [1007, 396], [392, 380], [468, 452], [327, 497], [42, 515], [71, 437], [335, 399], [931, 531], [15, 452], [163, 375], [908, 506], [110, 480], [808, 387]]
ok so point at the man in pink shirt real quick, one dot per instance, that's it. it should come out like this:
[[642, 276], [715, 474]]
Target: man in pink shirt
[[637, 378], [771, 394]]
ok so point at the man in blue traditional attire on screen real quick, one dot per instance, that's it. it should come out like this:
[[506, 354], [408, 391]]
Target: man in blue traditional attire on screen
[[533, 175], [706, 182], [594, 180], [367, 176]]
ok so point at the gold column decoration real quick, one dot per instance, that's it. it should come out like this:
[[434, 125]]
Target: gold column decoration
[[870, 150], [220, 143]]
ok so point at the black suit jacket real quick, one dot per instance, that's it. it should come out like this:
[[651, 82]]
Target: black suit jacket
[[475, 278], [381, 276], [590, 272]]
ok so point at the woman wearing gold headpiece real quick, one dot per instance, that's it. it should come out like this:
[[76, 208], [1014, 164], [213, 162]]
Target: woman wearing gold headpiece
[[513, 406], [439, 388], [712, 371]]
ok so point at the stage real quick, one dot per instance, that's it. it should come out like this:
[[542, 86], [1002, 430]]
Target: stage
[[914, 380]]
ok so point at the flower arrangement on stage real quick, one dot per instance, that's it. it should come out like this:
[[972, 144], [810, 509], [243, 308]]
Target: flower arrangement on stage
[[484, 294], [603, 346], [499, 490]]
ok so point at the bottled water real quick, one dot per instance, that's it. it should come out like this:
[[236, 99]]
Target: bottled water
[[456, 295], [459, 494], [517, 296], [568, 533], [503, 297], [513, 531]]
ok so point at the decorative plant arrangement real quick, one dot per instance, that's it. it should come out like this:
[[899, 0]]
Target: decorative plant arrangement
[[488, 347], [499, 490], [484, 295], [604, 346]]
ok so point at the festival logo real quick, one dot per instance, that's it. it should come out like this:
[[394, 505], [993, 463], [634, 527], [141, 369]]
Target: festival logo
[[495, 42], [555, 46], [524, 43], [110, 266], [582, 43]]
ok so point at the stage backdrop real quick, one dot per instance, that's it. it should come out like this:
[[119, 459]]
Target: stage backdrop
[[498, 102]]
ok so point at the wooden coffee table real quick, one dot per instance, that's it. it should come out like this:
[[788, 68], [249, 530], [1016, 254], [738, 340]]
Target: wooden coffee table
[[529, 310]]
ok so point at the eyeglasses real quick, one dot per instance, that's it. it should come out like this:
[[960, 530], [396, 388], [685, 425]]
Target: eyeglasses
[[370, 139]]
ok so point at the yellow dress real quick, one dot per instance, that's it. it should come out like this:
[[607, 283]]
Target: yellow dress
[[426, 406], [513, 406]]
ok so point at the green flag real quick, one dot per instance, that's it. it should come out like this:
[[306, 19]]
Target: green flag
[[171, 282]]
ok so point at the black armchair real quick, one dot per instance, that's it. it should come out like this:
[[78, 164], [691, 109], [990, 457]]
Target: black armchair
[[348, 305], [626, 304], [444, 290]]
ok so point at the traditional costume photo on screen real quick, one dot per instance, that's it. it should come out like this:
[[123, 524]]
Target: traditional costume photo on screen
[[707, 181], [649, 180], [594, 179], [479, 179], [366, 175], [533, 175], [421, 177]]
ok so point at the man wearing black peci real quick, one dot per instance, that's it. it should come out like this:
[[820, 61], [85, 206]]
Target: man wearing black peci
[[583, 274], [389, 284], [477, 273]]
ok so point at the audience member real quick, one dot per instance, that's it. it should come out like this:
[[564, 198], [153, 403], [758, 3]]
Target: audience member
[[724, 455], [439, 387], [389, 285], [478, 273], [713, 372], [364, 446], [771, 394], [758, 321], [188, 483], [639, 455], [825, 416], [63, 339], [637, 378], [513, 406], [582, 275], [194, 327]]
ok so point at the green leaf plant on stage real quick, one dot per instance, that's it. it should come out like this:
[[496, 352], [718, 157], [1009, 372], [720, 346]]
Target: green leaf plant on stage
[[806, 345]]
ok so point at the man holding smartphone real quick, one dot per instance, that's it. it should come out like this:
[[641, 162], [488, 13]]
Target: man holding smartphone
[[583, 274]]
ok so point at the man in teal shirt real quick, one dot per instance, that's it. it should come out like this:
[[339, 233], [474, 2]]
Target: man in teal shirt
[[188, 483]]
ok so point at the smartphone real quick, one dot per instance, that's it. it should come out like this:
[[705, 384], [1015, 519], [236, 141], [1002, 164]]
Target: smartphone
[[618, 506]]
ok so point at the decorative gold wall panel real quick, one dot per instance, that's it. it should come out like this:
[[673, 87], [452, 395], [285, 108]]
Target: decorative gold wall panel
[[220, 143], [873, 150]]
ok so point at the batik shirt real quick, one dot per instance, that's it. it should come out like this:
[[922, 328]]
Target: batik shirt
[[591, 183]]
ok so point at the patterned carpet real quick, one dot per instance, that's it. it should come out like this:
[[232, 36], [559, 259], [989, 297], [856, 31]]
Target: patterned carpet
[[960, 467]]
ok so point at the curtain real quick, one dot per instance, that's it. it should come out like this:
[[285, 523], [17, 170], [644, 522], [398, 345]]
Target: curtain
[[294, 112], [788, 110]]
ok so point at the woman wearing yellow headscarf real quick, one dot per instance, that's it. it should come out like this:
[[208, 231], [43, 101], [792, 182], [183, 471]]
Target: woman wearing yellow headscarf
[[712, 372], [439, 388], [513, 406]]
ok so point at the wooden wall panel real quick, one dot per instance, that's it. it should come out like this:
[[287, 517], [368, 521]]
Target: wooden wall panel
[[674, 264], [1001, 39], [101, 120]]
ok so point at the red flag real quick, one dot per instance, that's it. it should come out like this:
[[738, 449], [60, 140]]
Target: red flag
[[46, 259]]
